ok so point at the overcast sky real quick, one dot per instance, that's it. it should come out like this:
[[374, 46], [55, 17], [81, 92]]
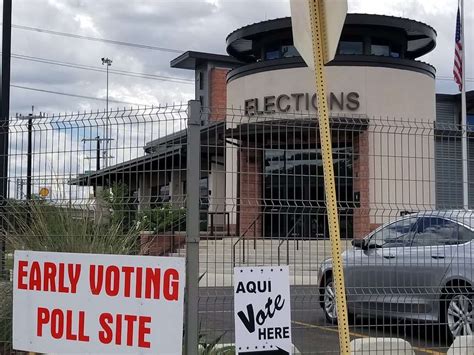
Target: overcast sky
[[181, 25]]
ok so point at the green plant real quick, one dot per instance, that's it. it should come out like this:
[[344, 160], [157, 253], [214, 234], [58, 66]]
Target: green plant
[[213, 347], [6, 288], [42, 226], [162, 219], [120, 205]]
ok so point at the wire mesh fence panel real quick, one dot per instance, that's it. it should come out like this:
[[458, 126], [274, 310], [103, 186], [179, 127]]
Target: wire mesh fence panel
[[117, 183], [104, 183], [406, 238]]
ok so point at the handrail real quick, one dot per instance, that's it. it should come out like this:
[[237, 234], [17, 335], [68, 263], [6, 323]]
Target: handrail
[[242, 238], [226, 215], [287, 242]]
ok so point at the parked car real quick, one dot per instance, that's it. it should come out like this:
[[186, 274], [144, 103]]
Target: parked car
[[419, 268]]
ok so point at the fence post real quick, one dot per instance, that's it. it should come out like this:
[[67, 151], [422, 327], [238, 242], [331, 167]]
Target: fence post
[[192, 226]]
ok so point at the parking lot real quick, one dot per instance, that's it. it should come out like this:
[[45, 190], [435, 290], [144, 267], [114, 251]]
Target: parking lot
[[311, 333]]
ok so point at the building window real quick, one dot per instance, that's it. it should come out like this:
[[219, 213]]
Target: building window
[[294, 192], [159, 195], [289, 51], [380, 50], [470, 122], [351, 47], [272, 54]]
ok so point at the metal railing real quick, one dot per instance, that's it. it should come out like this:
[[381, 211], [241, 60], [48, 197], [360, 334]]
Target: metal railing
[[226, 223], [242, 239], [287, 240]]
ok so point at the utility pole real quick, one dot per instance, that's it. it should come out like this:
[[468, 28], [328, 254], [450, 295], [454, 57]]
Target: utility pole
[[29, 155], [107, 62], [5, 118], [98, 147], [98, 141]]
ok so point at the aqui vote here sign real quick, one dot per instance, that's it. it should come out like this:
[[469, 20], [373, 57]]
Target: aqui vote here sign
[[262, 310], [89, 303]]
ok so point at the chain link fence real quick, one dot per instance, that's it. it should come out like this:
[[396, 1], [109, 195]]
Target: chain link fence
[[247, 190]]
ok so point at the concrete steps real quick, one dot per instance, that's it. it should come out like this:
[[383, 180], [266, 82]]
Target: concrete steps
[[216, 258]]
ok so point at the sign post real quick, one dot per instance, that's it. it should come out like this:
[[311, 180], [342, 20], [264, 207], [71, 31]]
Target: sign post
[[317, 26], [262, 310], [89, 303]]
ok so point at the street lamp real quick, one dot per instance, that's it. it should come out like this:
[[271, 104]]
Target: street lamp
[[107, 62]]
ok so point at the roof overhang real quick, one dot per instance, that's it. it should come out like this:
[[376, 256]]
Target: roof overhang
[[191, 60]]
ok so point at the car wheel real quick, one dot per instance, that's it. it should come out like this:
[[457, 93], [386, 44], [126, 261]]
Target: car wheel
[[458, 314], [329, 303]]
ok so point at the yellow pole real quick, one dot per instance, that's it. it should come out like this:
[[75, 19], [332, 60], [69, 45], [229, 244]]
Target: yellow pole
[[319, 51]]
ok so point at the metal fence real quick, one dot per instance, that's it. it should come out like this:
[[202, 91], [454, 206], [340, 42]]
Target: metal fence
[[228, 188]]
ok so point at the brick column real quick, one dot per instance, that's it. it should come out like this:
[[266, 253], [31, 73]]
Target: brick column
[[361, 185], [218, 94], [250, 191]]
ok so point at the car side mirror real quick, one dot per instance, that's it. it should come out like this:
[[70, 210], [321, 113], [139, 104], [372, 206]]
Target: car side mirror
[[359, 243]]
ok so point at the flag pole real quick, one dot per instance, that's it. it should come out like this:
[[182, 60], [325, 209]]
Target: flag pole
[[465, 188]]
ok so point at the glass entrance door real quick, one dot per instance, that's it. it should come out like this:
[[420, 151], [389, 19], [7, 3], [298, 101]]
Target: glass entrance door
[[294, 192]]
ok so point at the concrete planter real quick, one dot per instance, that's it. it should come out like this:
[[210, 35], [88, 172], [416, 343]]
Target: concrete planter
[[159, 244]]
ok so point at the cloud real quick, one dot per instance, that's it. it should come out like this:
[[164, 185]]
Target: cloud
[[182, 25]]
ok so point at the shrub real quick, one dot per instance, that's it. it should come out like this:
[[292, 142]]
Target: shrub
[[166, 218]]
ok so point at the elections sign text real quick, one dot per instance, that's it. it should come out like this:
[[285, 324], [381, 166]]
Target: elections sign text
[[89, 303]]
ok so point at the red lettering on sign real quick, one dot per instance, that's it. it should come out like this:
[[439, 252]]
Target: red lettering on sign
[[42, 319], [74, 272], [57, 324], [152, 281], [82, 327], [125, 328], [130, 319], [35, 276], [22, 273], [62, 324], [127, 270], [69, 333], [118, 330], [143, 330], [49, 277], [112, 280], [61, 287], [105, 335], [96, 279], [171, 284], [138, 280]]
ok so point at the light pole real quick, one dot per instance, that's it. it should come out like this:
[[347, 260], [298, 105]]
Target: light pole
[[107, 62]]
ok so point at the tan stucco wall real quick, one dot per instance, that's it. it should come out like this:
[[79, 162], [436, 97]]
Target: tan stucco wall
[[383, 91], [397, 102]]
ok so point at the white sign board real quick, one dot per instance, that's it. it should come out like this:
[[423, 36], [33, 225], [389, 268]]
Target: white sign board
[[335, 14], [262, 310], [89, 303]]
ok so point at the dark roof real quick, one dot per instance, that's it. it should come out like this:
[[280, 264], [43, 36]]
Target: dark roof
[[158, 153], [421, 37], [180, 137], [191, 59], [113, 173]]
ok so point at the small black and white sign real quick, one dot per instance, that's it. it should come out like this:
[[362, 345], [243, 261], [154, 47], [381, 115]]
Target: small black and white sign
[[262, 310]]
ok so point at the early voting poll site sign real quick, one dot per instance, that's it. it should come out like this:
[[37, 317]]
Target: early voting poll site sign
[[89, 303], [262, 310]]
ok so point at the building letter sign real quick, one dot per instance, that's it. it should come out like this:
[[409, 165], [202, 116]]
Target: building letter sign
[[300, 102]]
